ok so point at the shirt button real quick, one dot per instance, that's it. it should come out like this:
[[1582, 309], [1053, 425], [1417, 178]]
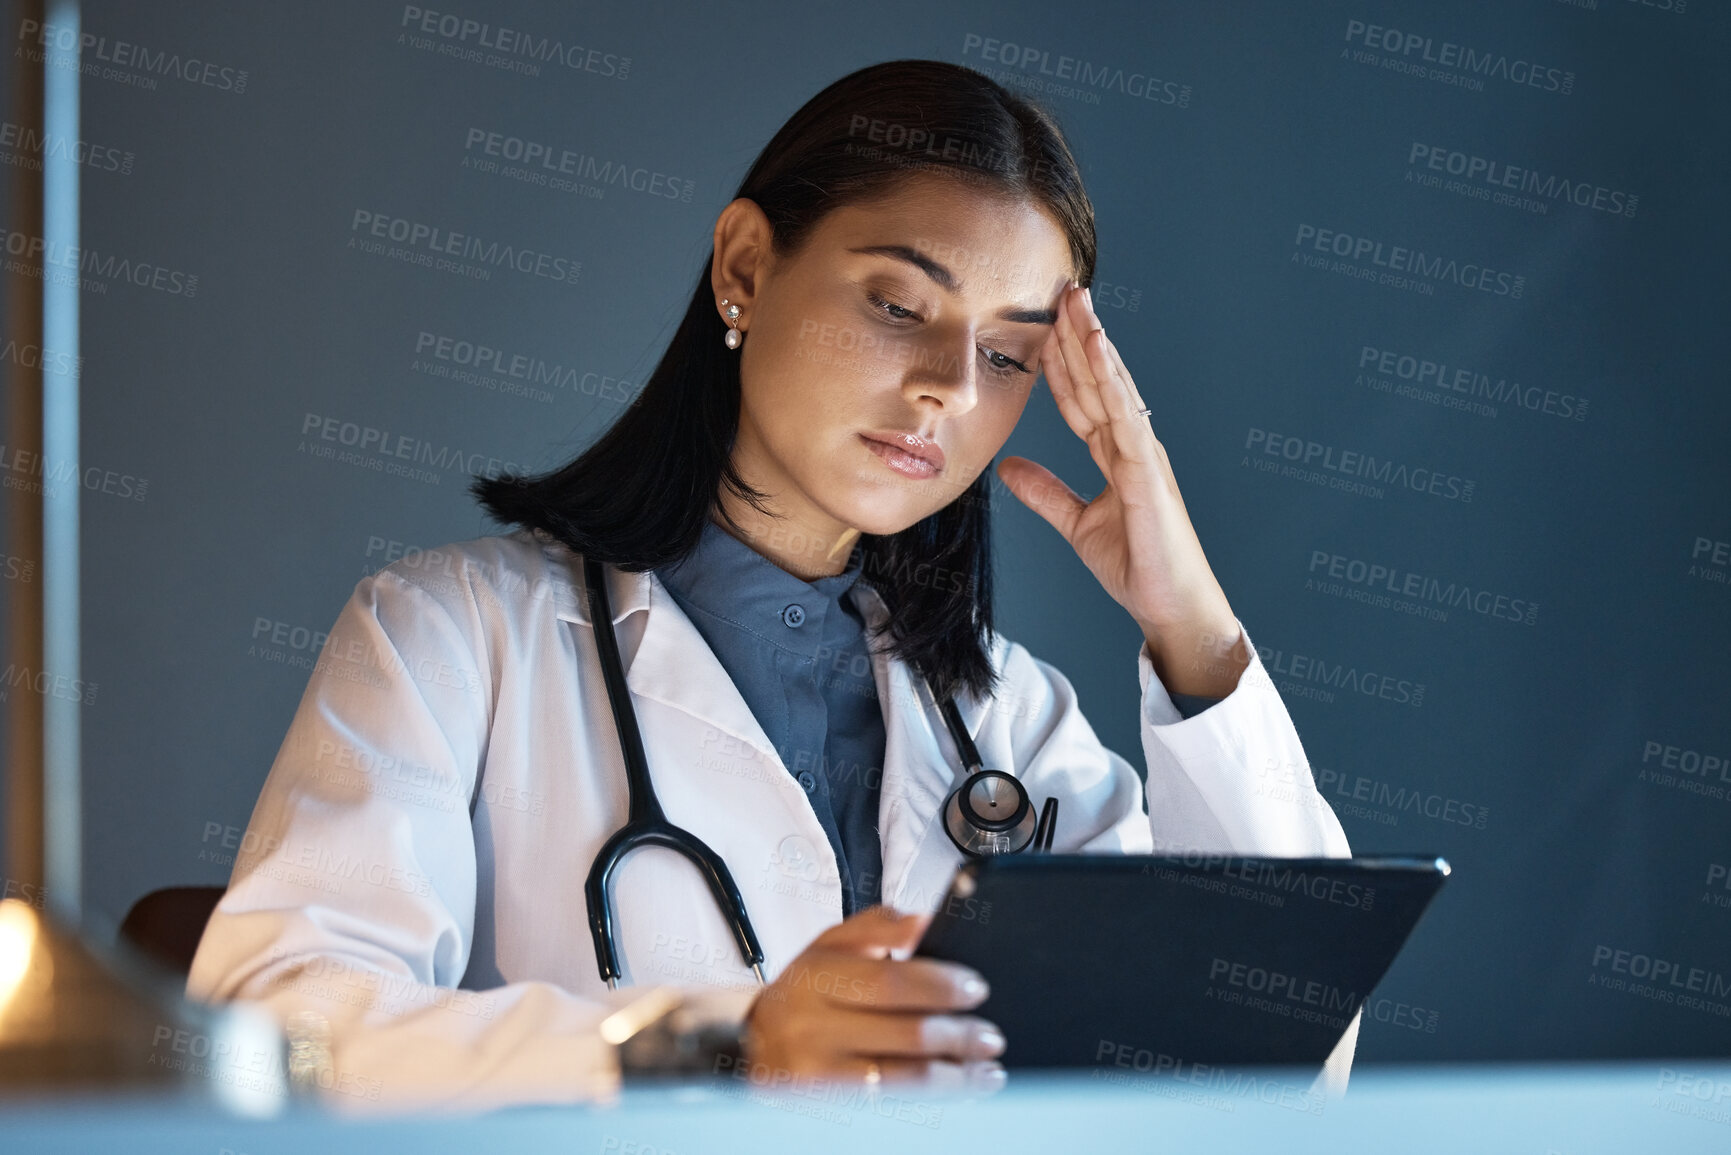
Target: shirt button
[[808, 780], [794, 615]]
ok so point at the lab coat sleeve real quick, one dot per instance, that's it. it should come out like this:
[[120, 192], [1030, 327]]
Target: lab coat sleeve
[[349, 915], [1232, 779]]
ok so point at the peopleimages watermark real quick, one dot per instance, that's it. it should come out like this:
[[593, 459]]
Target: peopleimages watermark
[[1710, 561], [49, 684], [1294, 781], [1697, 1096], [618, 1145], [1394, 1013], [229, 840], [17, 569], [1275, 992], [88, 268], [919, 145], [1393, 587], [811, 877], [65, 46], [367, 770], [1072, 76], [29, 893], [1682, 768], [27, 355], [387, 452], [1669, 7], [246, 1065], [1661, 980], [1309, 676], [457, 573], [1398, 266], [1352, 469], [362, 659], [1425, 57], [33, 472], [1343, 790], [336, 980], [563, 170], [433, 246], [1161, 1073], [296, 647], [1451, 386], [26, 146], [677, 959], [1267, 882], [510, 371], [1718, 885], [497, 46], [318, 867], [815, 1097], [1516, 186]]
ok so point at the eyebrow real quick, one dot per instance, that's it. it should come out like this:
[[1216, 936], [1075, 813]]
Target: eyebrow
[[948, 280]]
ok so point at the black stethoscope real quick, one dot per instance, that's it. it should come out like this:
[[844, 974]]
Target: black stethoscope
[[989, 813]]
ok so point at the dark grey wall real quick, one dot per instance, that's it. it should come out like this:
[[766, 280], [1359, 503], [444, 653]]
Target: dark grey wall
[[1555, 737]]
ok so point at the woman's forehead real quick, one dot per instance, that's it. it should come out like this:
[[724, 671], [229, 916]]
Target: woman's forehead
[[966, 240]]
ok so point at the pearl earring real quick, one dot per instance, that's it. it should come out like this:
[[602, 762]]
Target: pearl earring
[[734, 336]]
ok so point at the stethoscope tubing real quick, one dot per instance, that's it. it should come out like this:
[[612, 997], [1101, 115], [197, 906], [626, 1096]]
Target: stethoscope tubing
[[646, 823]]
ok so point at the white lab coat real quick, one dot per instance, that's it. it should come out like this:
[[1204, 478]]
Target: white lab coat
[[466, 678]]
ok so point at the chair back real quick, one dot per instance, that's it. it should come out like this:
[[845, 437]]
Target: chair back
[[165, 925]]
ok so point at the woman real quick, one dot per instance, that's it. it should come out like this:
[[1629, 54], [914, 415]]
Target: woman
[[794, 515]]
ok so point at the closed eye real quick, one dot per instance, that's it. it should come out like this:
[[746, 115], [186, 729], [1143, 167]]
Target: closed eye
[[883, 306], [1002, 365]]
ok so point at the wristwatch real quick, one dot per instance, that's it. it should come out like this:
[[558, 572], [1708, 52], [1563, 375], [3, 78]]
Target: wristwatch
[[663, 1035]]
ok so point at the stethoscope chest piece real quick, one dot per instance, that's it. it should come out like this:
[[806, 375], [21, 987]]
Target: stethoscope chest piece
[[989, 814]]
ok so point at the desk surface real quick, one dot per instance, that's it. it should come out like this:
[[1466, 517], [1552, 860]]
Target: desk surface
[[1565, 1110]]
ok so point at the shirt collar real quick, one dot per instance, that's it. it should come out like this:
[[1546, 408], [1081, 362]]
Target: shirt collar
[[725, 577]]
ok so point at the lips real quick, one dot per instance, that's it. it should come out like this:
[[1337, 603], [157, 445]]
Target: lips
[[911, 444]]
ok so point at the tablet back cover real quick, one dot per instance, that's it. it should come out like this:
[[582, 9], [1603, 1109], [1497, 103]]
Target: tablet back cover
[[1200, 959]]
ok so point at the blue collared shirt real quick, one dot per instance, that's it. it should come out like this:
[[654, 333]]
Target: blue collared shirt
[[797, 652]]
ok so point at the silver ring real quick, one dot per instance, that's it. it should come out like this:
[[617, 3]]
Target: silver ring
[[874, 1074], [1143, 412]]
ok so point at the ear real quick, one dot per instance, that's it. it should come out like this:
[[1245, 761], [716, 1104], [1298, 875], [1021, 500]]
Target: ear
[[742, 255]]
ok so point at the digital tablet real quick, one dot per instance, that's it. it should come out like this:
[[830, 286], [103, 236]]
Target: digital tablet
[[1179, 960]]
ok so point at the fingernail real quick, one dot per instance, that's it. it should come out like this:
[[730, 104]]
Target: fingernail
[[974, 987], [1089, 294], [988, 1075], [993, 1041]]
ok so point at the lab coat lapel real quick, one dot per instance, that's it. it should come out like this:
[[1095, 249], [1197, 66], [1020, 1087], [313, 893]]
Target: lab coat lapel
[[674, 668], [670, 663], [918, 857], [719, 776]]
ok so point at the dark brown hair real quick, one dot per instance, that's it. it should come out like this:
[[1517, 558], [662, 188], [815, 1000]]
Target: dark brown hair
[[639, 496]]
